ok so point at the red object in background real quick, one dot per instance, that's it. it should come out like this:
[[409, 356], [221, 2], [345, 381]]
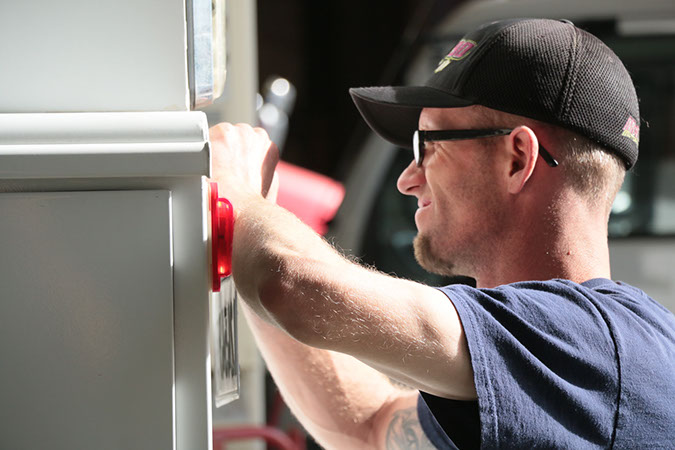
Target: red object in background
[[273, 436], [222, 227], [312, 197]]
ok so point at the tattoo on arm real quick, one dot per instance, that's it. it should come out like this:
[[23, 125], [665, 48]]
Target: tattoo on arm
[[405, 432]]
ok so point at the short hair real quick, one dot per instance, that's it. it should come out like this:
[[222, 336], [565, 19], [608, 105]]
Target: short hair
[[589, 169]]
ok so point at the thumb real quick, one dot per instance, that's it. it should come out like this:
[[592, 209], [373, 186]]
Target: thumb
[[273, 191]]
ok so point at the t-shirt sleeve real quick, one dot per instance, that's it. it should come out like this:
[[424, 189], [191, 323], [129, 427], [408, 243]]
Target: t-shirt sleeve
[[545, 365]]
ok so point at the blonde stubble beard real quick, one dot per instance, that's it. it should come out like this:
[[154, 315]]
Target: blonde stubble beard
[[451, 260], [429, 260]]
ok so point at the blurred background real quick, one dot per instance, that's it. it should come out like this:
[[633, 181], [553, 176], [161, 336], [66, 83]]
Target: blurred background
[[324, 48]]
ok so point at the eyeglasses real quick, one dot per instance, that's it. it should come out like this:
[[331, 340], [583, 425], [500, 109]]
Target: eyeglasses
[[422, 136]]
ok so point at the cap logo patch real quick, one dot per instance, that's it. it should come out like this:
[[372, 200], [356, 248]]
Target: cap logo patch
[[631, 130], [458, 52]]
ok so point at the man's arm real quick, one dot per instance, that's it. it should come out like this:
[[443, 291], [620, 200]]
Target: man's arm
[[400, 427], [291, 277], [297, 285], [342, 402]]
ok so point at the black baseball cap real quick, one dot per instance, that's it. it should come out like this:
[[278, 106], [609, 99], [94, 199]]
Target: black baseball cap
[[548, 70]]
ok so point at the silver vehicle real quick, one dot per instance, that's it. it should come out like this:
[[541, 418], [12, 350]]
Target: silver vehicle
[[376, 221]]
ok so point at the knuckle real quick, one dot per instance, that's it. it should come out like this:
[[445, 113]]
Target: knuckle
[[261, 132], [243, 126]]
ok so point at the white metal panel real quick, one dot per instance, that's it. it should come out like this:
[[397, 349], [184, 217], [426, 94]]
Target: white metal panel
[[165, 151], [191, 309], [76, 145], [86, 320], [103, 128], [78, 55], [191, 289]]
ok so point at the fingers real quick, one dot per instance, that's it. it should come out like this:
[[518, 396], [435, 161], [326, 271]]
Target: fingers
[[243, 159], [269, 165], [274, 189]]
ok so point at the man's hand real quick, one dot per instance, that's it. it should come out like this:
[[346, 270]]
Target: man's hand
[[244, 159]]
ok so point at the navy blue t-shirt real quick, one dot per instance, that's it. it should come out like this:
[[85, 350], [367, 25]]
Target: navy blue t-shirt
[[561, 365]]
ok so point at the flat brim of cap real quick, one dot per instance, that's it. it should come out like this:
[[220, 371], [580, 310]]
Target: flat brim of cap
[[393, 111]]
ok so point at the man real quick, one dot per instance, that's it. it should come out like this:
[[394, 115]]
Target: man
[[521, 139]]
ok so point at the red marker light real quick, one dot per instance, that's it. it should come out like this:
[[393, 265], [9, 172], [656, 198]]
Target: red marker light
[[222, 227]]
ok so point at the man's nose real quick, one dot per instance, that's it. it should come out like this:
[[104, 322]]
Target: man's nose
[[410, 179]]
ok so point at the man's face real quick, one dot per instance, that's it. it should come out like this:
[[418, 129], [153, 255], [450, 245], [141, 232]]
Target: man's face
[[457, 208]]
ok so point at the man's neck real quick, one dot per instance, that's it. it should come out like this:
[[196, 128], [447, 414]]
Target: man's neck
[[573, 248]]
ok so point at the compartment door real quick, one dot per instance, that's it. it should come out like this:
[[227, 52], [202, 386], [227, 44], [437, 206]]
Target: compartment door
[[86, 320]]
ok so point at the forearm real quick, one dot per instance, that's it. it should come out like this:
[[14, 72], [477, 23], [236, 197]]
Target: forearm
[[335, 396], [294, 280], [280, 267]]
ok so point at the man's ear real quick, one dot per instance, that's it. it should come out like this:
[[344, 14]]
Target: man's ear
[[523, 150]]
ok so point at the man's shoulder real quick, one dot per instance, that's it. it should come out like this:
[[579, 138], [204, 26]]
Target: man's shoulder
[[597, 302], [552, 346], [600, 291]]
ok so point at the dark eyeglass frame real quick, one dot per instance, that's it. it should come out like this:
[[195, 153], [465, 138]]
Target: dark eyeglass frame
[[422, 136]]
